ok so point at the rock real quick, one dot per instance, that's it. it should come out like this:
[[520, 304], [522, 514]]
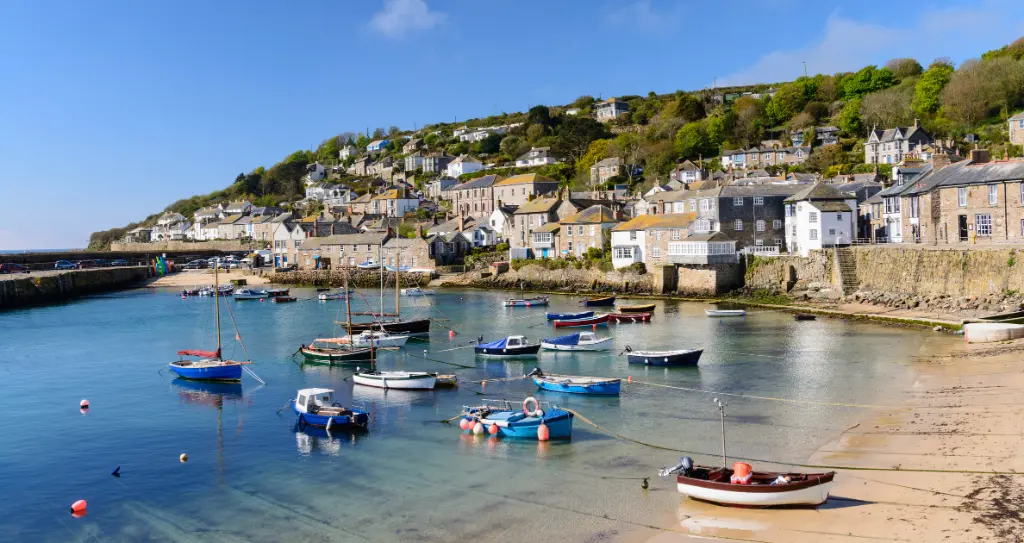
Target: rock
[[937, 329]]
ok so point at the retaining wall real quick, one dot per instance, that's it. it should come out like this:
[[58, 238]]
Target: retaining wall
[[185, 246], [20, 290]]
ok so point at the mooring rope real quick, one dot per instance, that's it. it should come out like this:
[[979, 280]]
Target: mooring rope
[[768, 398]]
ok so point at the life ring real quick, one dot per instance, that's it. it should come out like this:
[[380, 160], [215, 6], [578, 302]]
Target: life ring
[[336, 404], [535, 412]]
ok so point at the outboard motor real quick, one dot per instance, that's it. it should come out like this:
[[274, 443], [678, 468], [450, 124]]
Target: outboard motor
[[684, 466], [535, 373]]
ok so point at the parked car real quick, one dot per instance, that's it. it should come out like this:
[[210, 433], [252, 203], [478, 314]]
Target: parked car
[[119, 262], [196, 265], [101, 263], [64, 265], [85, 264], [12, 267]]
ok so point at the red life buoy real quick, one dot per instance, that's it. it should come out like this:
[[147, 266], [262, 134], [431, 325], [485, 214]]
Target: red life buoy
[[536, 407]]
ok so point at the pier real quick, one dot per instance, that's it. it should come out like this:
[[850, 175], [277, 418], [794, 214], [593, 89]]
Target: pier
[[17, 290]]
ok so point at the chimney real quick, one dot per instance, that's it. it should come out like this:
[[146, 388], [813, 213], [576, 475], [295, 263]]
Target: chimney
[[979, 156], [939, 161], [917, 123], [462, 223]]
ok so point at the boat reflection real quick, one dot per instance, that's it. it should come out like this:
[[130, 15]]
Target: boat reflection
[[321, 440], [210, 393]]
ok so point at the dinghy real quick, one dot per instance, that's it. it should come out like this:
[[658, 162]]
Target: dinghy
[[282, 299], [575, 384], [332, 351], [603, 301], [680, 357], [569, 316], [498, 418], [368, 265], [277, 292], [250, 294], [526, 302], [314, 407], [510, 346], [629, 317], [405, 380], [327, 296], [744, 487], [725, 312], [376, 338], [583, 341], [804, 317], [416, 291], [644, 308], [585, 322], [209, 366]]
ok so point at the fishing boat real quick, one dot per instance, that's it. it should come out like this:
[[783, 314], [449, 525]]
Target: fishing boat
[[679, 357], [629, 317], [277, 292], [538, 301], [603, 301], [569, 316], [575, 384], [804, 317], [315, 407], [250, 294], [596, 320], [396, 326], [377, 338], [223, 290], [405, 380], [327, 296], [643, 308], [416, 291], [208, 365], [725, 312], [190, 292], [510, 346], [582, 341], [397, 269], [368, 265], [333, 351], [446, 380], [744, 487], [283, 299], [498, 418]]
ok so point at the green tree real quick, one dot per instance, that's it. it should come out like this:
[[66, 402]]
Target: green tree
[[692, 141], [489, 145], [328, 150], [1014, 51], [849, 118], [689, 108], [361, 142], [928, 90], [431, 140], [457, 149], [903, 68], [513, 146], [717, 130], [597, 151], [633, 151], [538, 115], [869, 79], [787, 102], [573, 137]]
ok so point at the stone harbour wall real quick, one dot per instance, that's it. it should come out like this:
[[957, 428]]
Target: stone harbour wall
[[793, 275], [23, 290], [537, 277], [356, 278], [185, 246]]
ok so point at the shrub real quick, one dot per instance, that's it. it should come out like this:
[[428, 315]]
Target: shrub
[[605, 266], [503, 246], [518, 263], [638, 268], [594, 253]]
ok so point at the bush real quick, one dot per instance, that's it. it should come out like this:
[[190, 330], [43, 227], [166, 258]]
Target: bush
[[503, 246], [594, 253], [605, 266], [638, 268], [518, 263]]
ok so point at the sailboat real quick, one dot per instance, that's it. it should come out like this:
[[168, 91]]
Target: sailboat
[[398, 326], [334, 350], [209, 366]]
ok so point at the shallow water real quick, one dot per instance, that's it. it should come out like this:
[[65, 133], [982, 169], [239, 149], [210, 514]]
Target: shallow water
[[252, 476]]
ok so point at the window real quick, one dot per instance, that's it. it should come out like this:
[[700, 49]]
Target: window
[[759, 226], [693, 205], [814, 234], [799, 153], [759, 242], [632, 235], [738, 201], [579, 230], [776, 224], [570, 246], [706, 205], [655, 252], [737, 225], [794, 231], [790, 210], [676, 234], [983, 224], [914, 207], [839, 216], [657, 235], [622, 252], [593, 230], [759, 200], [961, 196], [831, 231], [680, 207], [812, 216], [993, 195], [778, 242]]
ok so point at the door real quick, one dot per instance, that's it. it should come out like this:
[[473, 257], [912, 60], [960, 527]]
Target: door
[[963, 227]]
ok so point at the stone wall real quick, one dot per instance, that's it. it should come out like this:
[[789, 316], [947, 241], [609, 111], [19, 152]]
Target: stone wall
[[18, 290], [708, 280], [931, 271], [537, 277], [220, 245], [792, 274], [356, 278]]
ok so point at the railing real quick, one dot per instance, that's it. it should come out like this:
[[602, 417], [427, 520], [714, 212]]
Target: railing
[[761, 250]]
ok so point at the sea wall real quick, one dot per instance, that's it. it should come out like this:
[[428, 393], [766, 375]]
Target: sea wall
[[356, 278], [21, 290], [570, 279], [184, 246], [707, 280], [813, 275]]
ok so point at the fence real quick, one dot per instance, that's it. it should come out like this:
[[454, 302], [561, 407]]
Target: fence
[[761, 250]]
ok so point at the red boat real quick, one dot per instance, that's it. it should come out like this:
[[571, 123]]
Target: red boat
[[629, 317], [596, 320], [280, 299]]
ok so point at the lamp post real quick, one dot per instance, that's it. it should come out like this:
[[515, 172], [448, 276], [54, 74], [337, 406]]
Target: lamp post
[[721, 411]]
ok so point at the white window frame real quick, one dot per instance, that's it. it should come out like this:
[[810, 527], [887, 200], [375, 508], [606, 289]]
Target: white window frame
[[983, 224], [759, 200], [961, 196], [993, 195], [813, 234], [676, 234], [655, 252], [812, 217], [737, 225], [737, 201], [705, 204], [776, 224], [759, 226]]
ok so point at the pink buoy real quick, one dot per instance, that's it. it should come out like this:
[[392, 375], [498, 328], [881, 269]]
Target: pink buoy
[[543, 433], [493, 429], [78, 507], [478, 428], [629, 379], [464, 424], [451, 334], [84, 404]]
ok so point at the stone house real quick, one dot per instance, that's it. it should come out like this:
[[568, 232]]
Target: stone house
[[545, 240], [411, 146], [226, 228], [610, 109], [449, 248], [1016, 124], [208, 214], [759, 157], [139, 235], [435, 163], [891, 146], [752, 215], [341, 250], [586, 229], [605, 169], [361, 166], [819, 216], [474, 198], [520, 189], [646, 238], [980, 201], [824, 135], [530, 215], [871, 220], [411, 252], [438, 188]]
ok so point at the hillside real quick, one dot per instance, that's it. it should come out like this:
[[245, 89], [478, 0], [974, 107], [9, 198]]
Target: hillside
[[660, 130]]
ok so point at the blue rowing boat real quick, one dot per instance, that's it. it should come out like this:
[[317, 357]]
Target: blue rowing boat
[[510, 346], [504, 421], [314, 407], [575, 384], [603, 301], [569, 316]]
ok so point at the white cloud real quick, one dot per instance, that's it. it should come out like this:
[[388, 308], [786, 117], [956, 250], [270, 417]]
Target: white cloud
[[400, 17], [640, 15], [849, 45]]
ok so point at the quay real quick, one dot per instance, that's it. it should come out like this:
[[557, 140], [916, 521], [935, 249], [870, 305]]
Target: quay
[[41, 287]]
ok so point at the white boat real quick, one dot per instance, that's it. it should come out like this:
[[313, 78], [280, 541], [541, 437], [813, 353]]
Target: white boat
[[250, 294], [582, 341], [404, 380], [376, 338], [325, 296], [416, 291], [752, 489], [369, 265], [725, 312]]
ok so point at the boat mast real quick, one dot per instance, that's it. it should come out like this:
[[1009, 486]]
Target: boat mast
[[348, 305], [721, 411], [216, 304], [380, 262], [398, 303]]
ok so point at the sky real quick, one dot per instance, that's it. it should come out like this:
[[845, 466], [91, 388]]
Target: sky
[[111, 110]]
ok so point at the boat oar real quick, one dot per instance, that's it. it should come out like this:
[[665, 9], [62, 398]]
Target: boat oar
[[449, 421]]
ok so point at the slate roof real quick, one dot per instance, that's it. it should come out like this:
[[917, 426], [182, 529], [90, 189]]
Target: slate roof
[[830, 206], [595, 214], [875, 198], [451, 225], [611, 161], [367, 238], [710, 236], [550, 227], [819, 191], [403, 243], [963, 173], [479, 182]]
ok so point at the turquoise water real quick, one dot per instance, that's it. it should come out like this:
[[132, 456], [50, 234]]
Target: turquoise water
[[251, 476]]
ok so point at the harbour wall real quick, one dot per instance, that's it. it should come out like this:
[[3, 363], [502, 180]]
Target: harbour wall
[[18, 290], [570, 279], [185, 246], [356, 278]]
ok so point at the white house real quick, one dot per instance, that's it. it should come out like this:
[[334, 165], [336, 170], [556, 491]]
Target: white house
[[463, 164], [347, 151], [501, 222], [394, 203], [628, 242], [208, 214], [481, 134], [819, 216], [236, 208], [610, 109], [329, 194], [314, 173], [537, 156]]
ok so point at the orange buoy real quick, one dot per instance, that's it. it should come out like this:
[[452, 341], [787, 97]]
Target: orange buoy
[[84, 404], [483, 384], [451, 334], [742, 473], [543, 433], [492, 429], [464, 424], [629, 379], [183, 458], [78, 507], [478, 428]]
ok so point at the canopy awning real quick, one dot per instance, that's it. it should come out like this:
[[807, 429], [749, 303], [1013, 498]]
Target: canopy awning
[[199, 353]]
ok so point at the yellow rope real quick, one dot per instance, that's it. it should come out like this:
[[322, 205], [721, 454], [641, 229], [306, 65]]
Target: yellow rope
[[788, 400]]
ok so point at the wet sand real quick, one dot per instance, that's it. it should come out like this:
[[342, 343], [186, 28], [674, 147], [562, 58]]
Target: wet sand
[[198, 278], [963, 413]]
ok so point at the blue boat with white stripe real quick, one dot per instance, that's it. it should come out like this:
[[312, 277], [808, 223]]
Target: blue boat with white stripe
[[314, 407], [576, 384], [569, 316], [503, 420]]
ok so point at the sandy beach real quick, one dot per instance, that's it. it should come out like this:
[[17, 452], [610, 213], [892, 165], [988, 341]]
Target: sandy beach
[[198, 278], [962, 415]]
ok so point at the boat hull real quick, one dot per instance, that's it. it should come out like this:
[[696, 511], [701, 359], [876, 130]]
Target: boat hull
[[283, 299], [532, 302], [600, 302], [600, 320], [404, 328], [647, 308], [687, 358], [610, 387], [525, 350], [425, 382], [357, 419], [813, 491], [569, 316], [559, 425], [336, 357], [629, 317], [725, 312], [602, 345], [220, 372], [396, 341]]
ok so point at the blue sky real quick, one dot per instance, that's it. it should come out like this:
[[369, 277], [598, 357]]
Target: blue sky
[[111, 110]]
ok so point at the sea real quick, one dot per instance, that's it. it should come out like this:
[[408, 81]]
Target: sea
[[253, 475]]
